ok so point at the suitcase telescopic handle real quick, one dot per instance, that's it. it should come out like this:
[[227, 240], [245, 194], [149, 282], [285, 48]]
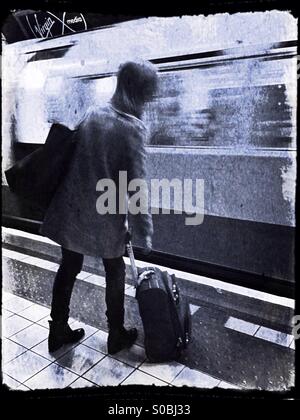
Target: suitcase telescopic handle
[[131, 257]]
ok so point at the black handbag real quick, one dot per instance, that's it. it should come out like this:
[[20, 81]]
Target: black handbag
[[37, 176]]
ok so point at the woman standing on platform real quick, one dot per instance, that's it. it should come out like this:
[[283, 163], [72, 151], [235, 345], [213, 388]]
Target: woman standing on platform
[[109, 140]]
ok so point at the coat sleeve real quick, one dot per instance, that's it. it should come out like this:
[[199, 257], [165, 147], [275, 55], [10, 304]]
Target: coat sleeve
[[141, 223]]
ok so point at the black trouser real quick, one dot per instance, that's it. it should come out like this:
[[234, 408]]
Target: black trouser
[[70, 266]]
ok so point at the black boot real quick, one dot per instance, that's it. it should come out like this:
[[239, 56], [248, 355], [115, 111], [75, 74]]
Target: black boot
[[120, 338], [60, 333]]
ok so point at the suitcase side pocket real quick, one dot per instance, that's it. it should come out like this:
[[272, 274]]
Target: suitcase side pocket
[[181, 314]]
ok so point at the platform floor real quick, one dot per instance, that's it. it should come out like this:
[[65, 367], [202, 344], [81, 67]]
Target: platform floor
[[241, 338]]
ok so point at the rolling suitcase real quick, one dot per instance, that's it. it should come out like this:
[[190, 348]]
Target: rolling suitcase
[[165, 313]]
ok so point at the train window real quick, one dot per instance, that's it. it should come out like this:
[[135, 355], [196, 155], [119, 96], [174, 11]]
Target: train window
[[246, 103], [55, 99], [180, 113], [30, 106], [79, 95], [104, 89]]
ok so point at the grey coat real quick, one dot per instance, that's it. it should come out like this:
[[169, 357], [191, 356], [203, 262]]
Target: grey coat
[[109, 141]]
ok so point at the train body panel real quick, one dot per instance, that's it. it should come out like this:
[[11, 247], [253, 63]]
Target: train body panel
[[252, 179]]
